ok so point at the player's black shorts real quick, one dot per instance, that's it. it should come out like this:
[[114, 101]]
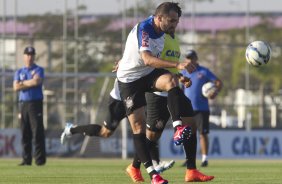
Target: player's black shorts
[[202, 121], [115, 113], [133, 93], [157, 113]]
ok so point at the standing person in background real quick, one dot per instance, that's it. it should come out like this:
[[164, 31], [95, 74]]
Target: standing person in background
[[200, 103], [28, 82]]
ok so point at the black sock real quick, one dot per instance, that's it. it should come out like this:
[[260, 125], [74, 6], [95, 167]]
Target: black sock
[[190, 148], [136, 161], [154, 150], [173, 103], [90, 130], [142, 151]]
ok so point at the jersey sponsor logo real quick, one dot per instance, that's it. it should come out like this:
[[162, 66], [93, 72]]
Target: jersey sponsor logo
[[158, 55], [172, 53], [145, 39]]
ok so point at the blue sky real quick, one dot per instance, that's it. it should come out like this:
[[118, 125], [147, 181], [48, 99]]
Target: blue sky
[[114, 6]]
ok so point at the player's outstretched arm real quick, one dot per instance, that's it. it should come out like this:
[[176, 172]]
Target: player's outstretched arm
[[150, 60]]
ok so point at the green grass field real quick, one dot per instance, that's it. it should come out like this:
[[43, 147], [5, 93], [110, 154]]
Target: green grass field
[[100, 171]]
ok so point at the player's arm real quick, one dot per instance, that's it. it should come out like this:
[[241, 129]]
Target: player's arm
[[218, 83], [25, 84], [150, 60], [185, 81], [115, 67]]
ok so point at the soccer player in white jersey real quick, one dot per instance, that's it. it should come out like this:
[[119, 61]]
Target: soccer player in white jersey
[[141, 70]]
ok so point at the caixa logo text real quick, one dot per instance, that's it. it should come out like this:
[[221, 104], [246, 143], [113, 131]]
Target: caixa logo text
[[259, 146]]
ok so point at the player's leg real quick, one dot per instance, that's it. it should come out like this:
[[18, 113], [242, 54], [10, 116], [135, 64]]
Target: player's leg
[[26, 139], [203, 129], [204, 149], [115, 113], [190, 147], [133, 95], [36, 123], [168, 82], [157, 116]]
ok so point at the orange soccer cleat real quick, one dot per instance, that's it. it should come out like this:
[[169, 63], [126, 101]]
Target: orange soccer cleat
[[193, 175], [134, 174]]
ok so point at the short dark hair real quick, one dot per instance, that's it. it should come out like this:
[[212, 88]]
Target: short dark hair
[[166, 7]]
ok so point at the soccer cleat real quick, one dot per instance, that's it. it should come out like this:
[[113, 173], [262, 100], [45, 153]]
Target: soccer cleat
[[193, 175], [204, 163], [182, 132], [168, 164], [159, 168], [157, 179], [24, 164], [134, 174], [164, 165], [66, 133]]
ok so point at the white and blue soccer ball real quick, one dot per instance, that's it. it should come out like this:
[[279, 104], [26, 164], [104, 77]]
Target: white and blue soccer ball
[[208, 89], [258, 53]]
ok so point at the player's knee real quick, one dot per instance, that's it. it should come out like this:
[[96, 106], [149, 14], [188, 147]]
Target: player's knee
[[167, 82], [153, 135], [172, 82], [106, 132]]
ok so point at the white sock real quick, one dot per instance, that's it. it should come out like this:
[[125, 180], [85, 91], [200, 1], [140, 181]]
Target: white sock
[[204, 158], [155, 163], [176, 123]]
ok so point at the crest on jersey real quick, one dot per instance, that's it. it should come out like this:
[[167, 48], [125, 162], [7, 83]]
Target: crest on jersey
[[129, 102], [145, 39], [22, 76], [159, 124], [200, 75]]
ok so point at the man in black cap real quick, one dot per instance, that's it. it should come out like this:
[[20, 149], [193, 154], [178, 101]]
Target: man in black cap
[[28, 82]]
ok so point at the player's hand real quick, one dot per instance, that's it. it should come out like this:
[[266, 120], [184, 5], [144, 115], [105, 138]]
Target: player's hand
[[213, 94], [115, 67], [185, 81], [190, 67]]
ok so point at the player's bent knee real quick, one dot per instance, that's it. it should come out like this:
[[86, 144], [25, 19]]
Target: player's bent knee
[[167, 82], [106, 132]]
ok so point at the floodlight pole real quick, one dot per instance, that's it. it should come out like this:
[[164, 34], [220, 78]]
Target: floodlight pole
[[64, 62], [124, 123], [193, 11], [3, 125], [247, 68], [76, 29], [15, 109]]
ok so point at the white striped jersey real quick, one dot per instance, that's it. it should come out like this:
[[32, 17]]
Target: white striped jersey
[[142, 37]]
